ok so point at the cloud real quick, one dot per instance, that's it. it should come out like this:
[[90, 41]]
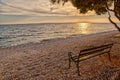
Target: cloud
[[37, 7]]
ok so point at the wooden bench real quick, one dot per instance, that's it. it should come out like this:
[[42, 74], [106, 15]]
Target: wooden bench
[[89, 53]]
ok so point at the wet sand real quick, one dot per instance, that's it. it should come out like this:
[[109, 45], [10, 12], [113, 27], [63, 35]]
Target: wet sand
[[48, 60]]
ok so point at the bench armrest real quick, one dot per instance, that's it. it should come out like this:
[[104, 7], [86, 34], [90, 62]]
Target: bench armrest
[[73, 57]]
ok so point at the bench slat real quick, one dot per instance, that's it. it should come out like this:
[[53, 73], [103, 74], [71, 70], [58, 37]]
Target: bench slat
[[108, 45], [92, 51], [90, 56]]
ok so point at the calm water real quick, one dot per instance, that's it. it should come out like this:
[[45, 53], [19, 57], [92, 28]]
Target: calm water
[[11, 35]]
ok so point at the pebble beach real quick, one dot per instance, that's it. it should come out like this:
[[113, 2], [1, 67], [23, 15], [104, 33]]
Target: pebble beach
[[48, 60]]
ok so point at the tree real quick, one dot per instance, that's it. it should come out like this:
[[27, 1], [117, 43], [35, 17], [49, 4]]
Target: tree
[[99, 6]]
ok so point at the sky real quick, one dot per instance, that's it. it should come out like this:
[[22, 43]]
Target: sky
[[42, 11]]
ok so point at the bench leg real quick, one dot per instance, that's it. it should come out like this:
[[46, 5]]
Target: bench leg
[[109, 57], [77, 65], [69, 63], [69, 58]]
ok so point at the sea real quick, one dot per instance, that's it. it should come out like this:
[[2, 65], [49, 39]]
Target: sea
[[17, 34]]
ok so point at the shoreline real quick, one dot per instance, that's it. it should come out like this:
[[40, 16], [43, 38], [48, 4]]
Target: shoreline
[[55, 39]]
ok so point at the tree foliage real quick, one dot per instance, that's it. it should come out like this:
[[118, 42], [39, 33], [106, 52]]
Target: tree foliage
[[99, 6]]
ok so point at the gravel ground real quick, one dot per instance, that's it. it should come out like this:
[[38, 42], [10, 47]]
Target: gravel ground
[[48, 60]]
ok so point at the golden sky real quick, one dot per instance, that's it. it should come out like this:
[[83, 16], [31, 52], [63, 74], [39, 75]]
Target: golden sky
[[42, 11]]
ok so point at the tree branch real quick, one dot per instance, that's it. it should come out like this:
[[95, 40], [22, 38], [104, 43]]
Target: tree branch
[[109, 8], [113, 22], [115, 9]]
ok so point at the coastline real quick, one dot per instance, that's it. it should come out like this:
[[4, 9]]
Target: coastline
[[48, 59]]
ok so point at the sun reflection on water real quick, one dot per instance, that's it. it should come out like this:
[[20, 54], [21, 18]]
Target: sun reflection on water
[[83, 28]]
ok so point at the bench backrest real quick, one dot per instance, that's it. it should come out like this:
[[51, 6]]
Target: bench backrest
[[103, 48]]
